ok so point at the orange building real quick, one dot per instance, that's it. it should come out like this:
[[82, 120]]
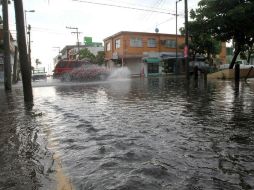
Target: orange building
[[143, 53], [148, 53]]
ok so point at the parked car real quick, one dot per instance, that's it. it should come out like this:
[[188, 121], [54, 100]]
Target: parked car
[[243, 65], [39, 74]]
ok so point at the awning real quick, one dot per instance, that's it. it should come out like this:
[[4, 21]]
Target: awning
[[152, 60]]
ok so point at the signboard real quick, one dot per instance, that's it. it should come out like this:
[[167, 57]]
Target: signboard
[[88, 40]]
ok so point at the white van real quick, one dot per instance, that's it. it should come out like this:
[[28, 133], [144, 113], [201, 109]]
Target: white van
[[243, 65]]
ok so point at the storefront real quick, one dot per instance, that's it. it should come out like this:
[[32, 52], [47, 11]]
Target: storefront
[[151, 66]]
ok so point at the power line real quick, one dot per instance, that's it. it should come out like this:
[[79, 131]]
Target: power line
[[162, 22], [136, 4], [155, 5], [165, 21], [125, 7]]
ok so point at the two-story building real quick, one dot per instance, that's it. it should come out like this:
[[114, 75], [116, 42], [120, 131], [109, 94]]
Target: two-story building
[[144, 53]]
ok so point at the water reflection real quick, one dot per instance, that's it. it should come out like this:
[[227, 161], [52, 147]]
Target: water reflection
[[155, 133], [25, 160]]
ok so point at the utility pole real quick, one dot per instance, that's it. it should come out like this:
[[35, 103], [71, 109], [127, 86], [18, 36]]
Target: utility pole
[[23, 57], [77, 33], [7, 58], [15, 65], [186, 48], [176, 67], [27, 28], [29, 43]]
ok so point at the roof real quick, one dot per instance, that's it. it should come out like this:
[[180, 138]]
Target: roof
[[80, 46], [152, 60], [138, 33], [70, 47]]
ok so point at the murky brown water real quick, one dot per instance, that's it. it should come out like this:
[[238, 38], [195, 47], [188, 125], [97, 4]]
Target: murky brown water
[[147, 134]]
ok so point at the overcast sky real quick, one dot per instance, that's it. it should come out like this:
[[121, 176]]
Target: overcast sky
[[51, 17]]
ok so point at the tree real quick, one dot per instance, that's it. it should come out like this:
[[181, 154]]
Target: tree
[[201, 41], [37, 62], [99, 59], [85, 53], [226, 20]]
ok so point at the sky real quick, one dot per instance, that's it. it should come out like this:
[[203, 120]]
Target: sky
[[51, 17]]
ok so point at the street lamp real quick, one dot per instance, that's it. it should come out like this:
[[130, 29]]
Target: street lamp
[[176, 40], [28, 33], [28, 11]]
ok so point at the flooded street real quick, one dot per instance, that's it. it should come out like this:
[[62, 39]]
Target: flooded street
[[135, 134]]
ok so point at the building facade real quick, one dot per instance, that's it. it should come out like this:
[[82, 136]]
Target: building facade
[[71, 51], [12, 53], [144, 53], [149, 53]]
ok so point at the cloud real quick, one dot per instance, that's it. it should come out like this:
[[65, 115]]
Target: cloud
[[49, 21]]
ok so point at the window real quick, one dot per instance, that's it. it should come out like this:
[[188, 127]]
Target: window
[[153, 68], [170, 43], [151, 42], [108, 47], [117, 43], [136, 42]]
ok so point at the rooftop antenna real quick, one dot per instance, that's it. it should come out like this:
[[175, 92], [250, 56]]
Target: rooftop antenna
[[156, 29]]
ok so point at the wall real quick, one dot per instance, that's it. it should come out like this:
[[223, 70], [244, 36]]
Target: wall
[[134, 65], [223, 53], [127, 51], [2, 66], [230, 74]]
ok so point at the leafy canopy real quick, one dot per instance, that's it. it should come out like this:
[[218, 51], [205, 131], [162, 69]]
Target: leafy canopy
[[201, 41], [98, 59], [85, 53], [226, 20]]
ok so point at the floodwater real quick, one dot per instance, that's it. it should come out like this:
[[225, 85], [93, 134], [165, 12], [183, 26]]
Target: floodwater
[[136, 134]]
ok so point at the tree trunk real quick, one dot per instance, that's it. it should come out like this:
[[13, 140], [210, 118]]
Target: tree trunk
[[14, 77], [23, 57], [7, 57], [209, 57], [237, 73], [249, 54], [236, 53]]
